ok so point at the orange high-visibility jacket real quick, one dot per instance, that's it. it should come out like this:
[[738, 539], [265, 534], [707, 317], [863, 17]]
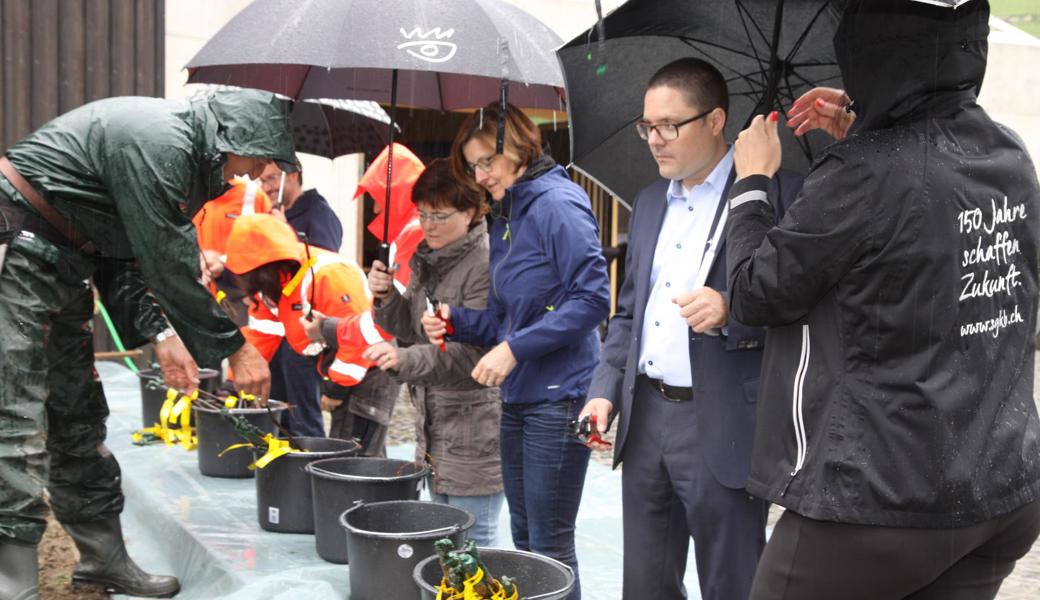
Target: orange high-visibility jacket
[[404, 232], [331, 284]]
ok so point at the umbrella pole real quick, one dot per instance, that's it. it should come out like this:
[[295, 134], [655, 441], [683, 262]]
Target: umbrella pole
[[503, 105], [384, 248], [774, 60]]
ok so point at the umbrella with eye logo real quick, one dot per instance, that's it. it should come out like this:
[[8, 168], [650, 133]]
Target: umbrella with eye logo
[[439, 54]]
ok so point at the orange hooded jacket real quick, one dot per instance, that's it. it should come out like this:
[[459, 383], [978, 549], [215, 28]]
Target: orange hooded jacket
[[331, 284], [404, 217]]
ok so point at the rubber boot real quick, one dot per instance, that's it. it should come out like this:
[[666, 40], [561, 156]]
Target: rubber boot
[[103, 560], [18, 571]]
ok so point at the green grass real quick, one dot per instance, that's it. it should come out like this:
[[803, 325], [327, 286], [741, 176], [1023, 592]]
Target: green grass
[[1017, 12]]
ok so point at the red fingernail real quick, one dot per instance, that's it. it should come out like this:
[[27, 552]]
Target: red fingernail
[[819, 102], [773, 116]]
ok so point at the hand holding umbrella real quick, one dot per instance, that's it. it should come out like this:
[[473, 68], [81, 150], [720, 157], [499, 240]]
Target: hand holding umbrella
[[380, 280], [757, 149]]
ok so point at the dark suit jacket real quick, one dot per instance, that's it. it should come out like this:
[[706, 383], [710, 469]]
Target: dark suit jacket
[[725, 368]]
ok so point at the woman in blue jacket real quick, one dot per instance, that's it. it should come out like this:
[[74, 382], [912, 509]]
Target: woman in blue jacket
[[549, 292]]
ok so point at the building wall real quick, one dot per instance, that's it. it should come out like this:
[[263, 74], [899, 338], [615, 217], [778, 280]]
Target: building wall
[[60, 54]]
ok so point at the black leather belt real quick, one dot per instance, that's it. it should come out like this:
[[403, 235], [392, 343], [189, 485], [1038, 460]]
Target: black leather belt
[[670, 392]]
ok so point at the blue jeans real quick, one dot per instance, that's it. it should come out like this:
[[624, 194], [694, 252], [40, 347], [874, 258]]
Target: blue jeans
[[543, 469], [485, 508]]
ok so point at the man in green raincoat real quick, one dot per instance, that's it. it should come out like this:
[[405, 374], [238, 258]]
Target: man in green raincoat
[[125, 176]]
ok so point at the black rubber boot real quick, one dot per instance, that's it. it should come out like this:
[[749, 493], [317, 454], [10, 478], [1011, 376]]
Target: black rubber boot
[[18, 571], [103, 560]]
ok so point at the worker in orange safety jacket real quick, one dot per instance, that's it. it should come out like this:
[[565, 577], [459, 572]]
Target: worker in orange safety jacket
[[213, 226], [290, 280]]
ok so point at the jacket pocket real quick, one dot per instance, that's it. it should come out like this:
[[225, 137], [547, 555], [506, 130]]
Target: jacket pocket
[[468, 429]]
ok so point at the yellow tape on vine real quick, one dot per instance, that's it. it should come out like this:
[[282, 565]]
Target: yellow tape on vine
[[275, 449], [447, 592], [164, 417], [181, 416]]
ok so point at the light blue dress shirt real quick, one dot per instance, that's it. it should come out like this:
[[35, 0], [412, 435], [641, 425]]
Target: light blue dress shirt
[[664, 349]]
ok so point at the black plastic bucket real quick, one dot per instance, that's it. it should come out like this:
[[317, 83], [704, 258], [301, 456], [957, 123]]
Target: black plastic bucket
[[283, 492], [337, 483], [386, 540], [153, 396], [537, 577], [216, 434]]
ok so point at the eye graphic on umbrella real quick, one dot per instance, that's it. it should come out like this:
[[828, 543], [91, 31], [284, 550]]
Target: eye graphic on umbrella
[[427, 49]]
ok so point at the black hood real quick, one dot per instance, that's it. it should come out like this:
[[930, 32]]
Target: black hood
[[903, 60]]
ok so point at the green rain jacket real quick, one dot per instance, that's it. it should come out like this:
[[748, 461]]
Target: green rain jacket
[[130, 173]]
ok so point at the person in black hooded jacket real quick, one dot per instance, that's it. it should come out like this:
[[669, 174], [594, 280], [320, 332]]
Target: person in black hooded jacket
[[896, 416]]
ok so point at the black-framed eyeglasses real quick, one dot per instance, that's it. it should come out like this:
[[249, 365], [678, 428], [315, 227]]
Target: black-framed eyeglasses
[[666, 131]]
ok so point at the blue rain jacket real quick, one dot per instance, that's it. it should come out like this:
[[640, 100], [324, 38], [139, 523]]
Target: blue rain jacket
[[549, 288]]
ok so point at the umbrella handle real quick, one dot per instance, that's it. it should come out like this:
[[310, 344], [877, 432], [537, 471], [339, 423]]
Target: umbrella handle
[[384, 255]]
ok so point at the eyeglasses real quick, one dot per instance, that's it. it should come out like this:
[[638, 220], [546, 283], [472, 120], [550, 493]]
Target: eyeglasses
[[436, 218], [666, 131], [484, 164]]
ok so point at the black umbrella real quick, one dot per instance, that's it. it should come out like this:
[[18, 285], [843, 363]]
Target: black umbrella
[[333, 128], [770, 51], [442, 54]]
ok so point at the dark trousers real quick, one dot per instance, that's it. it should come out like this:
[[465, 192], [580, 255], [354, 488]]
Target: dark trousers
[[810, 560], [52, 406], [294, 379], [669, 495], [543, 471]]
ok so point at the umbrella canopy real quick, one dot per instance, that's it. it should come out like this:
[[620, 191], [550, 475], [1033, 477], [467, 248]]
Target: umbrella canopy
[[450, 54], [769, 51], [332, 128]]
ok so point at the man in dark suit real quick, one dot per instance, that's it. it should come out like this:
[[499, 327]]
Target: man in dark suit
[[681, 374]]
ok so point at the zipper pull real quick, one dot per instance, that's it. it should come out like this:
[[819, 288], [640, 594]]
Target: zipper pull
[[505, 236]]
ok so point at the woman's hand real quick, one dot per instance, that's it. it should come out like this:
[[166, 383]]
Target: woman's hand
[[380, 280], [495, 366], [757, 149], [821, 108], [436, 327], [384, 354]]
